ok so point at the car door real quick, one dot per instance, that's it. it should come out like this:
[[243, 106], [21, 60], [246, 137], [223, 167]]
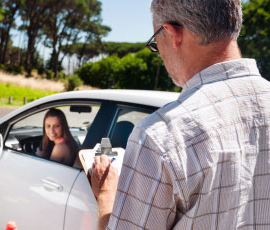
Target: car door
[[34, 191]]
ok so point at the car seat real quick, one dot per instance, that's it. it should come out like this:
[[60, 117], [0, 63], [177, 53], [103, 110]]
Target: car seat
[[120, 133]]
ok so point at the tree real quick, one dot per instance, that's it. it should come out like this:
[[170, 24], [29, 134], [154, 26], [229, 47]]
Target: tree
[[93, 30], [70, 20], [131, 73], [100, 74], [12, 56], [58, 28], [83, 51], [34, 14], [121, 48], [157, 77], [254, 41], [142, 70], [8, 11]]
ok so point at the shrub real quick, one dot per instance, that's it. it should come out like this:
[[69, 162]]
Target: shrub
[[61, 75], [142, 70], [14, 69], [49, 74], [100, 74], [41, 70], [72, 82]]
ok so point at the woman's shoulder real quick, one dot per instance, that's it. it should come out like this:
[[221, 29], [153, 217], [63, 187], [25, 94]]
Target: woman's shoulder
[[62, 146]]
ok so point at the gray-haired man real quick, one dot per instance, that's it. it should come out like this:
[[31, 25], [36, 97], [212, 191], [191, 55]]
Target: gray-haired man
[[201, 162]]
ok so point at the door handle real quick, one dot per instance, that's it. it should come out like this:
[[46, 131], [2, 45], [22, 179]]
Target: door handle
[[50, 185]]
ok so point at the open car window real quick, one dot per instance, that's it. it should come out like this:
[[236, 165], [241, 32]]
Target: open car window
[[25, 136]]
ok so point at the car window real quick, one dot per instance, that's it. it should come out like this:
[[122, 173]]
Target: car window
[[25, 135], [126, 119], [79, 122]]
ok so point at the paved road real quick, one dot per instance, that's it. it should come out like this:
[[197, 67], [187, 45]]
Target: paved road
[[5, 110]]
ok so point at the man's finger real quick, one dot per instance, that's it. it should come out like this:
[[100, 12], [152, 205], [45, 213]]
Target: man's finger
[[97, 160], [104, 159]]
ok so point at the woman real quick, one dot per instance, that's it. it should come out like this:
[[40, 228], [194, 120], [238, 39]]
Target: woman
[[57, 143]]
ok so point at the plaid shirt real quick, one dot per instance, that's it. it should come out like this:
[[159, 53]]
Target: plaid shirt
[[201, 162]]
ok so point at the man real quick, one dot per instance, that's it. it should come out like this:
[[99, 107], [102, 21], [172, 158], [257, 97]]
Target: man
[[201, 162]]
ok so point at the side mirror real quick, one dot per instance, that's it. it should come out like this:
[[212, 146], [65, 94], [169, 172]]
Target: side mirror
[[1, 144]]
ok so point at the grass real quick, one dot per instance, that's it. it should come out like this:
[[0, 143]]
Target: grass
[[18, 93], [31, 82]]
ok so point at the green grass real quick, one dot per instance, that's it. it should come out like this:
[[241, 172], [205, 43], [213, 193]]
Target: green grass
[[18, 94]]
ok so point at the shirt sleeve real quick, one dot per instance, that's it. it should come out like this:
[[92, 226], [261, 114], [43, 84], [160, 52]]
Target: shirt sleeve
[[144, 198]]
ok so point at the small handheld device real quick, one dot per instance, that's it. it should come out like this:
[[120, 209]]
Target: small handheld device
[[115, 154]]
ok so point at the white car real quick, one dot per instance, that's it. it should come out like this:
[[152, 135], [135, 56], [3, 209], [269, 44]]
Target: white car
[[41, 194]]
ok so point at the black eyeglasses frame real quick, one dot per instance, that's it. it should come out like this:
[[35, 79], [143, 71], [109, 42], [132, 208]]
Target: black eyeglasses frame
[[152, 45]]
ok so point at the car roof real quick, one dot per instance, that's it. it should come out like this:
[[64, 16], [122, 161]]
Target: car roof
[[141, 97]]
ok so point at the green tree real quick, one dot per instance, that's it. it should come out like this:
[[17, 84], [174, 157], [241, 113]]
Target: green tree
[[131, 73], [2, 11], [70, 20], [8, 12], [254, 41], [93, 32], [84, 51], [100, 74], [121, 48], [142, 70], [157, 77], [34, 14]]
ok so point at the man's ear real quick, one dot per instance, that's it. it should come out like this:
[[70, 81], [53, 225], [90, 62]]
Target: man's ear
[[175, 32]]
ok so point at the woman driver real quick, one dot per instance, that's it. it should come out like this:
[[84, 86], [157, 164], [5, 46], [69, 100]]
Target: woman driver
[[57, 142]]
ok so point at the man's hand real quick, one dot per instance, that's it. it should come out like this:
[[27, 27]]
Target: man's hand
[[104, 178], [104, 181]]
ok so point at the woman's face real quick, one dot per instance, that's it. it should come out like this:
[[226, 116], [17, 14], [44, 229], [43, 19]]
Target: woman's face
[[53, 129]]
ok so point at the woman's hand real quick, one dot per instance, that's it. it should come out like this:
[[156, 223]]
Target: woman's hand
[[39, 153]]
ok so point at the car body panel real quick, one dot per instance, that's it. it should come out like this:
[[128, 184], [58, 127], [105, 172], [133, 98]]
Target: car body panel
[[81, 212], [39, 191]]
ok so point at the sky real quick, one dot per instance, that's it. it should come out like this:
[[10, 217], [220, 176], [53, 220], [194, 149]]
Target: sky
[[130, 20]]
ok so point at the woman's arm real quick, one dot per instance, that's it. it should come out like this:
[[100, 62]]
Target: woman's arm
[[60, 152]]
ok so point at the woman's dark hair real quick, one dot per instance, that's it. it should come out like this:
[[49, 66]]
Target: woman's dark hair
[[47, 145]]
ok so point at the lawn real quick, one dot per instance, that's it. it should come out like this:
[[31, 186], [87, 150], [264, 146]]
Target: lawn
[[19, 93]]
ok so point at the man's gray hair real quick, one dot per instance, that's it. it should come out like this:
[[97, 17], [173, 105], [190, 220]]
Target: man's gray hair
[[211, 20]]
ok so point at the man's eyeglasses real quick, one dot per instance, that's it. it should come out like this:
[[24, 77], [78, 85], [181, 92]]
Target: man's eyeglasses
[[152, 45]]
